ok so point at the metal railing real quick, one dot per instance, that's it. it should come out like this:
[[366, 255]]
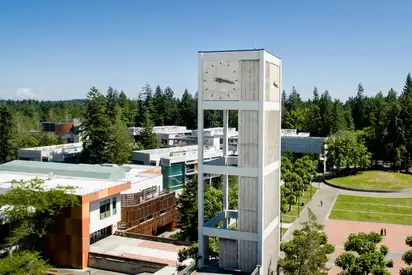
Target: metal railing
[[188, 269], [256, 271]]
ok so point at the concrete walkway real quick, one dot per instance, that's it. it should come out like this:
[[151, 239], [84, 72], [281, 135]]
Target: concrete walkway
[[328, 196]]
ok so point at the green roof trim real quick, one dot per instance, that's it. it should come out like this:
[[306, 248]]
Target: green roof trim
[[64, 169]]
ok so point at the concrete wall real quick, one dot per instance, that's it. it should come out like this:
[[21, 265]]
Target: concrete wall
[[96, 223], [248, 126], [122, 265]]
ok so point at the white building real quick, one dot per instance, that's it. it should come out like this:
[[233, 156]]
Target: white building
[[54, 153]]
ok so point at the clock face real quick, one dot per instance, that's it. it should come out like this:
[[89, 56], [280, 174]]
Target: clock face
[[273, 82], [221, 80]]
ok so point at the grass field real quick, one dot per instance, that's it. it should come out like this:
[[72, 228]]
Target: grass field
[[290, 216], [376, 180], [283, 231], [396, 211]]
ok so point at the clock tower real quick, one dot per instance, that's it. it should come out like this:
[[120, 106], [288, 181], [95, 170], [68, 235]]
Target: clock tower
[[249, 83]]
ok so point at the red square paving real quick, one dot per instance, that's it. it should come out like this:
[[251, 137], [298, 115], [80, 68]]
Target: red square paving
[[339, 230]]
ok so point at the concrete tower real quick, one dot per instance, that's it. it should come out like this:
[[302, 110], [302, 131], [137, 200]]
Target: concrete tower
[[250, 82]]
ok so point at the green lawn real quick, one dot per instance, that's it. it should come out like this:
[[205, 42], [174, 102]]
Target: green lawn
[[283, 231], [395, 211], [290, 216], [376, 180]]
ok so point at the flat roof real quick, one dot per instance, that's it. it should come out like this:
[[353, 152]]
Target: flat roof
[[64, 169], [55, 147], [158, 252], [82, 186]]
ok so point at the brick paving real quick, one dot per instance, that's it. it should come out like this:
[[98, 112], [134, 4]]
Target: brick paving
[[339, 230]]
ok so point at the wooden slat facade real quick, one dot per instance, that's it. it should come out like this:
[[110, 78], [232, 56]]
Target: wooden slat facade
[[147, 217]]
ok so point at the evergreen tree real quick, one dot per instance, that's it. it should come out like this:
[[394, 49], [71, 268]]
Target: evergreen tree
[[7, 147], [128, 111], [171, 107], [315, 96], [360, 109], [147, 138], [188, 111], [120, 143], [159, 101], [112, 100], [338, 117], [95, 129], [394, 137], [405, 101], [326, 113]]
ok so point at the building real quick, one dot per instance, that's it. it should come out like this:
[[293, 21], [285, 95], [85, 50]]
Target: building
[[179, 164], [172, 136], [250, 82], [146, 207], [68, 153], [98, 189], [101, 190], [68, 131]]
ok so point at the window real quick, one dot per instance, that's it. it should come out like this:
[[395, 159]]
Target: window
[[150, 217], [104, 208], [114, 205], [142, 220], [162, 212]]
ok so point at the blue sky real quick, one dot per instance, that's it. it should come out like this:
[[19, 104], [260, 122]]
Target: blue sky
[[58, 49]]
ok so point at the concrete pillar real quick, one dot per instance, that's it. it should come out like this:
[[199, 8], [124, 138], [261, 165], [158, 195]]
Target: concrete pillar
[[225, 177]]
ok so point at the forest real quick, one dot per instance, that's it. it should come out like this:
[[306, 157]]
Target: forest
[[383, 122]]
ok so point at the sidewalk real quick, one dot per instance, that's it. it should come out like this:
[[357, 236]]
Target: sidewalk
[[326, 194]]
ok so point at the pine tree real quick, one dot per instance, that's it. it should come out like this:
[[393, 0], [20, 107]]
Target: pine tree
[[188, 111], [159, 101], [6, 135], [338, 117], [315, 96], [112, 100], [188, 209], [147, 138], [95, 128], [405, 100], [171, 107]]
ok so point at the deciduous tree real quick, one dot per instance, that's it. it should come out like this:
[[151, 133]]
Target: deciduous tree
[[307, 253], [369, 259]]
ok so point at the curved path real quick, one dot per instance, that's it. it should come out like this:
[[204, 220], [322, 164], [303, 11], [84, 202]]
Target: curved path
[[328, 196]]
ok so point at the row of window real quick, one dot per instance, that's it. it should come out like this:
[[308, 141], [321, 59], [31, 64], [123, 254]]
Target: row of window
[[105, 208], [162, 212]]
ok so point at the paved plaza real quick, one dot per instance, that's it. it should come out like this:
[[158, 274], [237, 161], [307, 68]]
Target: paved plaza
[[339, 230], [164, 253]]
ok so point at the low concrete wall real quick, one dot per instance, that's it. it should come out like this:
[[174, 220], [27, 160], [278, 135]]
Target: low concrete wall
[[121, 264], [153, 238], [360, 189]]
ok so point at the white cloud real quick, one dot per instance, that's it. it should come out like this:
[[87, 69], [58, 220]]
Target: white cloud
[[25, 93]]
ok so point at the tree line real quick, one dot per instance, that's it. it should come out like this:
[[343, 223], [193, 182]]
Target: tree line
[[385, 120]]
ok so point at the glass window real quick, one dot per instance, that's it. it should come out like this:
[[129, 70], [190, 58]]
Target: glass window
[[150, 217], [162, 211], [104, 208], [114, 205]]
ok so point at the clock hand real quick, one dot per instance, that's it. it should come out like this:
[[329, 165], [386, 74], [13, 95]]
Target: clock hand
[[221, 80]]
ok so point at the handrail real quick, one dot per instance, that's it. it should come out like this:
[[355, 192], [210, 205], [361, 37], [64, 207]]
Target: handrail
[[256, 271], [188, 269]]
